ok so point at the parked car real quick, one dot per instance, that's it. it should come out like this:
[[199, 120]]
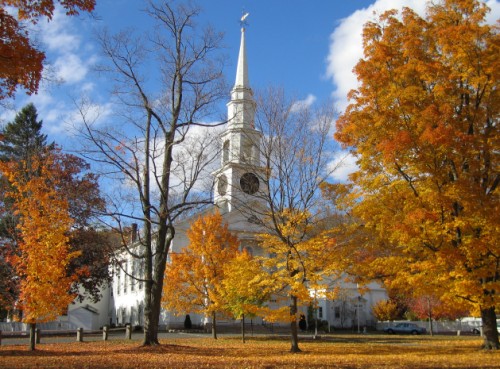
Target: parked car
[[471, 324], [409, 328], [478, 330]]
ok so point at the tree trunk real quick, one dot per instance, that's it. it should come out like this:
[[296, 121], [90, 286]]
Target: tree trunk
[[214, 326], [154, 287], [150, 323], [150, 319], [293, 325], [490, 332], [32, 337], [243, 328], [431, 328]]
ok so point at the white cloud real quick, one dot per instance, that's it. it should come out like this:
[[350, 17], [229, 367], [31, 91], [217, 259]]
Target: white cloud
[[302, 104], [346, 42], [63, 121], [70, 68], [346, 45], [68, 50], [59, 34], [494, 5], [343, 164]]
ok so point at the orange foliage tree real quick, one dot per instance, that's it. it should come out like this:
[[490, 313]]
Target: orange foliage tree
[[44, 225], [21, 63], [424, 127], [193, 279]]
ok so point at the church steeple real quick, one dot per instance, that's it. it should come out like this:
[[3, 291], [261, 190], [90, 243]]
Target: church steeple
[[238, 179], [241, 108], [242, 69]]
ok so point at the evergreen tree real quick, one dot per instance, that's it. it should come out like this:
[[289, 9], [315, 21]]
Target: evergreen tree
[[22, 137], [19, 141]]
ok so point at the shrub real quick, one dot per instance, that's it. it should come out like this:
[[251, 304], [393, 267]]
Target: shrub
[[187, 322]]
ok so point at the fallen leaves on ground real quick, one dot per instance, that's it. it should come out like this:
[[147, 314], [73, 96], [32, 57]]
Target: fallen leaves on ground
[[345, 351]]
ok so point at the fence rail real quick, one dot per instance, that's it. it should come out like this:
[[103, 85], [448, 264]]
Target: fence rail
[[49, 326], [79, 333]]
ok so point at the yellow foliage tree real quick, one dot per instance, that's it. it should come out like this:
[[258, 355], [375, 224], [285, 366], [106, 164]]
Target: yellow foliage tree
[[44, 225], [424, 127], [245, 287], [193, 279], [298, 264], [385, 310]]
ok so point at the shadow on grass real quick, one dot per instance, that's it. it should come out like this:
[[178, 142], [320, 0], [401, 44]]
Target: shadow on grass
[[107, 348]]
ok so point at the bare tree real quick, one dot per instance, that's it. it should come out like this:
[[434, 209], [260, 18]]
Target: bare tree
[[153, 163], [295, 155]]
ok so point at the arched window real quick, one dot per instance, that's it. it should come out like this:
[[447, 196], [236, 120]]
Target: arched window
[[225, 152], [246, 150]]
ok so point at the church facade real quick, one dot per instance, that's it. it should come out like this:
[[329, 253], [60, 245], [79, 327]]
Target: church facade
[[237, 189]]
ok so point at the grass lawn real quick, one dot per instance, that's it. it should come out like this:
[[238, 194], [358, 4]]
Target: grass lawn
[[336, 351]]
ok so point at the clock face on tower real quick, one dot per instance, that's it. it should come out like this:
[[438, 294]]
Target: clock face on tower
[[222, 185], [249, 183]]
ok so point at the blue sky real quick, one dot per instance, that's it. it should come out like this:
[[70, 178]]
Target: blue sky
[[307, 47]]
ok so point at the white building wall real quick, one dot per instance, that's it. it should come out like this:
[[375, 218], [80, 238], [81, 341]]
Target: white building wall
[[90, 315]]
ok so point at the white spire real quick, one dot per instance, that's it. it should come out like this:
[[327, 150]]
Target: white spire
[[241, 107], [242, 69]]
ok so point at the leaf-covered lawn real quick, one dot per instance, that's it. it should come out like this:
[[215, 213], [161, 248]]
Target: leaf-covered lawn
[[330, 352]]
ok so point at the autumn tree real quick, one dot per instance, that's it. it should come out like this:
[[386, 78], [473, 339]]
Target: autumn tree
[[386, 310], [431, 307], [93, 245], [44, 252], [21, 61], [22, 140], [194, 279], [245, 287], [423, 125], [295, 154], [156, 152]]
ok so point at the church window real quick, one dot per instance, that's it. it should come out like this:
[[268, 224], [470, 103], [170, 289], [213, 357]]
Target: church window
[[118, 282], [225, 152], [255, 154], [320, 312], [246, 150], [132, 316], [337, 312], [125, 278], [140, 314], [133, 275], [141, 273]]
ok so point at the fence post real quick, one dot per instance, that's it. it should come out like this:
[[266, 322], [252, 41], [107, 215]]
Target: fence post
[[38, 335], [79, 334], [105, 333], [128, 332]]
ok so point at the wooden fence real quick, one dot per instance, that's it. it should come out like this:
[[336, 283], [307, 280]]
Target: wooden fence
[[80, 333]]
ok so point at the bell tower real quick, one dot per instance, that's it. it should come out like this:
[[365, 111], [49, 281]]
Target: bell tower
[[239, 181]]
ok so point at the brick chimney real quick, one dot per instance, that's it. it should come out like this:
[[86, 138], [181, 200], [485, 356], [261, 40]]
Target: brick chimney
[[133, 233]]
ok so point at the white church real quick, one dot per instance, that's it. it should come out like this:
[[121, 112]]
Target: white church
[[236, 183]]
